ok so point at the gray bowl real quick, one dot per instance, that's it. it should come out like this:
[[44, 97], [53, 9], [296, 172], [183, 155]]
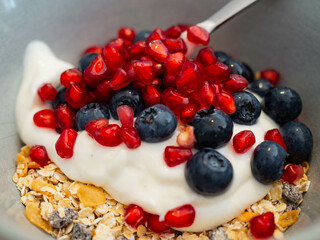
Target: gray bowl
[[281, 34]]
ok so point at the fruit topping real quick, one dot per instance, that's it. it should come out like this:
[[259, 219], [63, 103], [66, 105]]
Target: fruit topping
[[174, 63], [112, 58], [45, 118], [143, 70], [212, 128], [120, 79], [157, 50], [64, 116], [65, 143], [175, 45], [59, 99], [182, 216], [93, 49], [235, 83], [249, 73], [174, 99], [69, 76], [243, 140], [206, 56], [261, 87], [282, 104], [275, 135], [222, 56], [174, 156], [262, 226], [104, 91], [156, 123], [39, 155], [96, 124], [173, 32], [248, 108], [47, 92], [157, 34], [198, 35], [186, 138], [189, 111], [292, 173], [151, 95], [142, 36], [270, 75], [76, 96], [135, 216], [299, 141], [130, 136], [127, 34], [237, 67], [226, 102], [155, 225], [267, 162], [217, 72], [86, 60], [189, 78], [108, 136], [125, 114], [96, 71]]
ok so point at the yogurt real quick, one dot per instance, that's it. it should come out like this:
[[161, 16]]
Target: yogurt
[[138, 176]]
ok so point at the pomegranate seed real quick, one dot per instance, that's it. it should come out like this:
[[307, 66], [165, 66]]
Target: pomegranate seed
[[108, 136], [112, 57], [39, 155], [143, 70], [262, 226], [93, 49], [135, 216], [275, 135], [76, 95], [47, 92], [217, 72], [104, 91], [173, 32], [235, 83], [72, 75], [156, 82], [64, 116], [198, 35], [45, 118], [189, 111], [117, 44], [292, 173], [186, 137], [226, 102], [184, 27], [174, 63], [120, 79], [189, 79], [206, 94], [127, 34], [175, 45], [65, 143], [96, 124], [137, 50], [130, 136], [96, 71], [169, 80], [92, 95], [243, 140], [270, 75], [175, 100], [157, 67], [155, 225], [130, 69], [157, 34], [157, 50], [125, 114], [174, 156], [182, 216], [151, 95], [206, 56]]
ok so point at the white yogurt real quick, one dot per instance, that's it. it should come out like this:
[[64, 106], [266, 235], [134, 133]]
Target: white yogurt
[[137, 176]]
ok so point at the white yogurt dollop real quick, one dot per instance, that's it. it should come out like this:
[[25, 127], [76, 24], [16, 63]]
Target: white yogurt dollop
[[138, 176]]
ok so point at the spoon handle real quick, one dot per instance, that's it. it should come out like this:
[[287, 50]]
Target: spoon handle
[[224, 14]]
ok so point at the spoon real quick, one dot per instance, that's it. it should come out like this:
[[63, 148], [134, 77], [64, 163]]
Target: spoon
[[217, 19]]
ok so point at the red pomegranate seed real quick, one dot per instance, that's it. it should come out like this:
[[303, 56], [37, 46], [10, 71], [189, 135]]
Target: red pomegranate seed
[[143, 70], [155, 225], [206, 56], [135, 216], [169, 80], [137, 50], [275, 135], [151, 95], [108, 136], [64, 116], [189, 111], [262, 226], [226, 102], [130, 69], [112, 57], [174, 156], [175, 100], [76, 96], [157, 34], [65, 143], [47, 92], [156, 82], [93, 49], [120, 79], [270, 75], [184, 27], [117, 44], [182, 216], [96, 124], [127, 34], [235, 83], [198, 35], [72, 75], [292, 173], [157, 50], [189, 79], [39, 155], [175, 45], [186, 137], [104, 91], [243, 140], [174, 63], [45, 118], [217, 72], [130, 136], [125, 114], [157, 67], [173, 32], [206, 94], [96, 71], [92, 95]]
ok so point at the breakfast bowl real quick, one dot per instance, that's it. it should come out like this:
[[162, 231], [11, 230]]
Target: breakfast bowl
[[276, 34]]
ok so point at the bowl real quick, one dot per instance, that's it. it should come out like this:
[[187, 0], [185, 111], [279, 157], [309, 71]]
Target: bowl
[[279, 34]]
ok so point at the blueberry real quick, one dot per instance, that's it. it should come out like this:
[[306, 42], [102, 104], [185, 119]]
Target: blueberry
[[249, 72], [298, 139], [90, 112], [222, 56], [212, 128], [129, 96], [237, 67], [248, 108], [261, 87], [267, 163], [86, 60], [156, 123], [142, 36], [282, 104], [59, 98], [208, 172]]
